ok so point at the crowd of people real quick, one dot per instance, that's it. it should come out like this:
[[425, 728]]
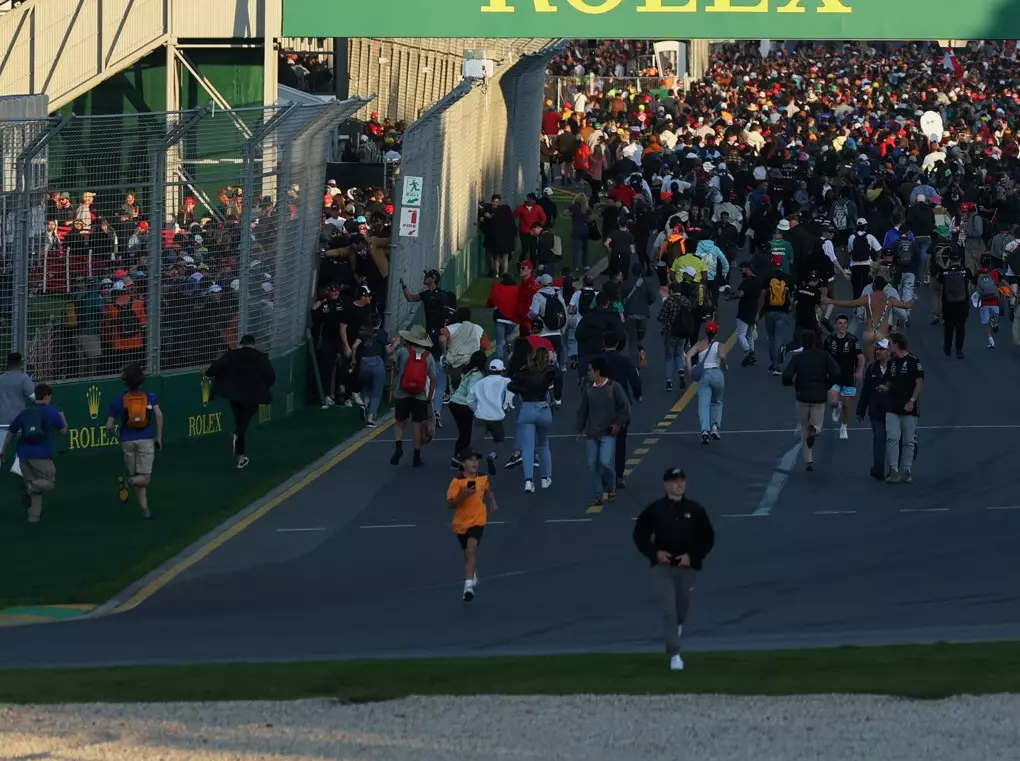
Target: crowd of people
[[91, 268], [891, 167]]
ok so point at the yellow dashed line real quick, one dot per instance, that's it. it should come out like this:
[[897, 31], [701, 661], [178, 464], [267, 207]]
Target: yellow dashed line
[[671, 416], [651, 441], [641, 451], [634, 461]]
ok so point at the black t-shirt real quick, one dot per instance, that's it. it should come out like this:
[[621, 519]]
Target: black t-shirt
[[436, 305], [328, 318], [809, 299], [355, 318], [620, 242], [747, 307], [845, 351], [901, 376]]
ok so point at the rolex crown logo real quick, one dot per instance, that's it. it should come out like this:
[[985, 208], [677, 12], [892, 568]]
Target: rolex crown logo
[[206, 390], [92, 397]]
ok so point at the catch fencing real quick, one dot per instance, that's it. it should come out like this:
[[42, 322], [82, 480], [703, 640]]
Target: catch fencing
[[160, 237], [561, 90], [482, 138]]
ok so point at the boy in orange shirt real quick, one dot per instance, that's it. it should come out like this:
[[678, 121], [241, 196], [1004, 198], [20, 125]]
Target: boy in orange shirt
[[467, 496]]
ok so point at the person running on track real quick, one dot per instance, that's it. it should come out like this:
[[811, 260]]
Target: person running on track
[[708, 373], [878, 309], [846, 350], [534, 420], [467, 495], [811, 372]]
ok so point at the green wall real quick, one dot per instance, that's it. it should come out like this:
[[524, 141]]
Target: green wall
[[138, 89], [188, 412]]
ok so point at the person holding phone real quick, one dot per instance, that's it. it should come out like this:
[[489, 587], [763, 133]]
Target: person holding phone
[[468, 494]]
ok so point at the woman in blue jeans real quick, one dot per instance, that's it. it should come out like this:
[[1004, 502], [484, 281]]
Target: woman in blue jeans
[[534, 419], [711, 356], [373, 347]]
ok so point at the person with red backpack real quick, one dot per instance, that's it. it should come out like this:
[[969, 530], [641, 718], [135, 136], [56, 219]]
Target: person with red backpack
[[413, 383]]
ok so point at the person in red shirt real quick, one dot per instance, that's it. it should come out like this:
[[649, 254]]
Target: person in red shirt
[[529, 214], [550, 120], [503, 303], [624, 194], [525, 292], [989, 305]]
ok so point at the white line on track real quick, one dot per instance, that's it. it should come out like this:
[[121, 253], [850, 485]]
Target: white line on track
[[1004, 507], [924, 510], [568, 520], [297, 530], [745, 515], [835, 512], [393, 525], [779, 478]]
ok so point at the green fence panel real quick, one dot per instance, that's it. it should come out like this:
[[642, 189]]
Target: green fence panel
[[189, 411]]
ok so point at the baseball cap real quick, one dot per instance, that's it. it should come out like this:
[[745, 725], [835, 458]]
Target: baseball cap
[[689, 271], [434, 274], [496, 366], [862, 222], [674, 474], [882, 343], [545, 280]]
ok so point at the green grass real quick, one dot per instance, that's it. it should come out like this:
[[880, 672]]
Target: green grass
[[89, 546], [912, 671], [477, 293]]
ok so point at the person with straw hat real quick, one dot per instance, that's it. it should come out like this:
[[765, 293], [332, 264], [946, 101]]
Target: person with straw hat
[[413, 383]]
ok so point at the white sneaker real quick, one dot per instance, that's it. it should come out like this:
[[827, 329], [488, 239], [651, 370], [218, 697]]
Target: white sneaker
[[676, 663], [546, 483], [474, 581], [836, 411], [529, 487], [842, 432], [358, 401], [328, 402], [991, 342], [715, 433]]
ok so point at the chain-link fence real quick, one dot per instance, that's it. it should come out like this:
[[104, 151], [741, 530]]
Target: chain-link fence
[[561, 90], [480, 139], [159, 237]]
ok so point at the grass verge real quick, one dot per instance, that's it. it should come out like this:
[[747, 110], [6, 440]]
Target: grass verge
[[910, 671], [89, 546]]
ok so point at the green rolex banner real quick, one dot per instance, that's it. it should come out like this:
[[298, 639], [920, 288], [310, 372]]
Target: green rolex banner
[[683, 19]]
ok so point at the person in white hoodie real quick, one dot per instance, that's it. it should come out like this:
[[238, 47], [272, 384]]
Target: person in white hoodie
[[489, 402]]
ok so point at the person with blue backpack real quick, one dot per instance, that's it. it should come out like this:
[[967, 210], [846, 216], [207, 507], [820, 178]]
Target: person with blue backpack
[[33, 427]]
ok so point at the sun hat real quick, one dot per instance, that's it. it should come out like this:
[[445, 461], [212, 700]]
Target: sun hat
[[783, 225], [417, 336]]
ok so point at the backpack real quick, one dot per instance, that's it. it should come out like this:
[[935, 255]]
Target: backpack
[[136, 410], [128, 323], [840, 214], [904, 250], [33, 425], [779, 292], [861, 251], [416, 372], [683, 322], [955, 286], [586, 301], [554, 315], [987, 288]]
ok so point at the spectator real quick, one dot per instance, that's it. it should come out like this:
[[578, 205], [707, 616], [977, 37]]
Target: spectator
[[244, 377], [34, 428], [136, 419]]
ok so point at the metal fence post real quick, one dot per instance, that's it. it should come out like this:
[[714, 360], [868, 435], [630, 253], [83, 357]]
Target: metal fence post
[[157, 216], [251, 153], [23, 233]]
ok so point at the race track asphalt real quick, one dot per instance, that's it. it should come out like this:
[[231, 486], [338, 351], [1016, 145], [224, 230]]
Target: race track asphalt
[[362, 562]]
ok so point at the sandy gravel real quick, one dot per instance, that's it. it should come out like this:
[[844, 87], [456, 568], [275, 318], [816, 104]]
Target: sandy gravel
[[505, 729]]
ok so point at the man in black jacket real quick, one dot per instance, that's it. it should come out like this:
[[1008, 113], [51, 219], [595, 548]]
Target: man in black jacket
[[676, 535], [244, 377], [623, 371], [591, 332], [812, 374]]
